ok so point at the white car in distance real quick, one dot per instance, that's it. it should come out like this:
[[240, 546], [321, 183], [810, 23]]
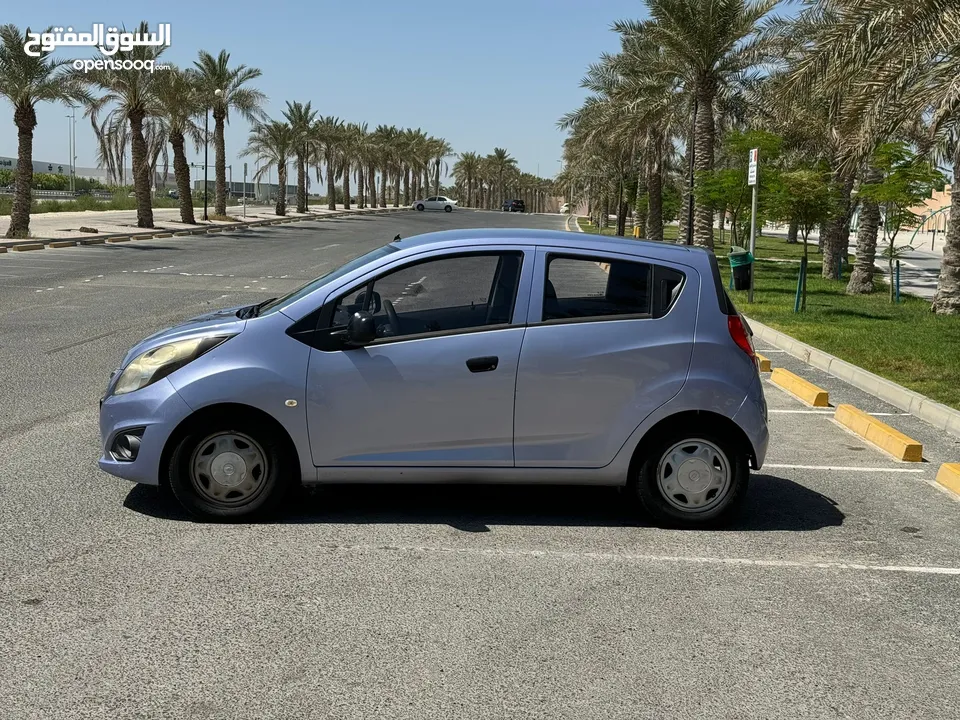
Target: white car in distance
[[436, 202]]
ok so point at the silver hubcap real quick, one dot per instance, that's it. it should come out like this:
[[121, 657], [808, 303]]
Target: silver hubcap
[[228, 469], [694, 476]]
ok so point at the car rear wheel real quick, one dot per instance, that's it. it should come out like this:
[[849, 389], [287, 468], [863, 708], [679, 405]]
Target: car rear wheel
[[448, 208], [420, 207], [692, 479], [229, 470]]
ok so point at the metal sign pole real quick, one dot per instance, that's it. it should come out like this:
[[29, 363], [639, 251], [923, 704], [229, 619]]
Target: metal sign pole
[[244, 191], [752, 180]]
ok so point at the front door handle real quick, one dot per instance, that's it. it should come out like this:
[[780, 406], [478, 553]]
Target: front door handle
[[483, 364]]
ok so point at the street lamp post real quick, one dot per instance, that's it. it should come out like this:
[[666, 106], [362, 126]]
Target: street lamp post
[[72, 143], [206, 155]]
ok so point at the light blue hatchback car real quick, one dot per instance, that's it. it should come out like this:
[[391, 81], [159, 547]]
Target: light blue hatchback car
[[509, 356]]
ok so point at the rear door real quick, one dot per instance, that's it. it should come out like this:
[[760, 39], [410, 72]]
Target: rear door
[[609, 339]]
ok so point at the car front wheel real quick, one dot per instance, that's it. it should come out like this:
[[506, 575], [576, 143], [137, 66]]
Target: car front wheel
[[228, 470], [448, 208], [420, 207], [692, 479]]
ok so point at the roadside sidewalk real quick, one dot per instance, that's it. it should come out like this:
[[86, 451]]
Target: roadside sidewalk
[[65, 226]]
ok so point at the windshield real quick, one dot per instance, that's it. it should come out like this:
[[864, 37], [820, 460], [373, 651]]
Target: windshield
[[305, 290]]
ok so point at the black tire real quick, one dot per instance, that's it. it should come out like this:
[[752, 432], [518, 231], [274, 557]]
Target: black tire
[[645, 487], [272, 485], [420, 207], [448, 208]]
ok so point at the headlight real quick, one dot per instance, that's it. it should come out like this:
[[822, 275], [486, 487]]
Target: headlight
[[156, 364]]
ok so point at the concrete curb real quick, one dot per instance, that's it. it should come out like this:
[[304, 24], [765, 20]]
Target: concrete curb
[[40, 243], [939, 415]]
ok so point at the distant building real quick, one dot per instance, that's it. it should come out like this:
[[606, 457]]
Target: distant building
[[63, 168], [935, 211]]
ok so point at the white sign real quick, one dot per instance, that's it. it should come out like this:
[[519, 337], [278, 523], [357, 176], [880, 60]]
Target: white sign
[[108, 41], [752, 171]]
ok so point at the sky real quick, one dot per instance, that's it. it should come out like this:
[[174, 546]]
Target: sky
[[479, 74]]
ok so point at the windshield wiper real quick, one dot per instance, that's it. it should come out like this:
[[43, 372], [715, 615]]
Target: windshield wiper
[[253, 310]]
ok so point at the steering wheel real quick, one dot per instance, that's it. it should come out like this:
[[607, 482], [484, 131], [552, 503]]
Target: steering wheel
[[392, 318]]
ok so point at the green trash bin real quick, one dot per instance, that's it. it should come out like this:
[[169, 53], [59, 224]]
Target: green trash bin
[[741, 267]]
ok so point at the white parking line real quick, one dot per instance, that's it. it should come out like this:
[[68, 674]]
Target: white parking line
[[848, 468], [628, 557]]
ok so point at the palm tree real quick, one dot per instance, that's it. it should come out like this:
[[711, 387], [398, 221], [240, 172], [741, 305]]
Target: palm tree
[[347, 154], [439, 149], [501, 162], [217, 75], [132, 96], [300, 116], [385, 138], [364, 155], [26, 81], [326, 137], [466, 170], [706, 46], [273, 143], [893, 64], [179, 100]]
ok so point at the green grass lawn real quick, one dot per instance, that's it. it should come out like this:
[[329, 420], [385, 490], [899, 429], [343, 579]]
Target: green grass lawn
[[905, 342]]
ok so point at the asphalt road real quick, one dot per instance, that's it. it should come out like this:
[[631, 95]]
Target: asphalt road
[[834, 597]]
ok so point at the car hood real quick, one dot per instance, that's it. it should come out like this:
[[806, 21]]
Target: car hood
[[217, 322]]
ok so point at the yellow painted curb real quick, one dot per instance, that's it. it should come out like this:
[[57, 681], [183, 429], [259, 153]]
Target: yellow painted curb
[[3, 248], [949, 476], [141, 237], [116, 240], [163, 235], [879, 433], [763, 362], [27, 246], [797, 386], [63, 243]]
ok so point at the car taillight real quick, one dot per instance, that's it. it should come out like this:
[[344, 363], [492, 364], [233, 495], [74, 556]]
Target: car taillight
[[740, 335]]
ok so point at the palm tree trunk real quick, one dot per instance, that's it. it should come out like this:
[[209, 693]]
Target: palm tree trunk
[[396, 187], [26, 120], [655, 192], [181, 173], [372, 184], [220, 205], [836, 239], [141, 170], [281, 208], [301, 184], [794, 230], [406, 186], [361, 189], [946, 301], [346, 184], [331, 182], [703, 161], [861, 279]]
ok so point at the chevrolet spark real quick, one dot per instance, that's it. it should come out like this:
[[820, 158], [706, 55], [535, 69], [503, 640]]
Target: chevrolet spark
[[508, 356]]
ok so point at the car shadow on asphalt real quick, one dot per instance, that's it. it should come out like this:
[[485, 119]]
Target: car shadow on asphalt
[[773, 504]]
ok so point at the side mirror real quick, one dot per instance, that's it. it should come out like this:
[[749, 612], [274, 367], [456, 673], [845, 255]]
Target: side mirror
[[375, 301], [361, 329]]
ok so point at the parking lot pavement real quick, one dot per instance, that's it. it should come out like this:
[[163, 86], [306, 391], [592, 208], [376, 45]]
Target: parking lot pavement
[[833, 596]]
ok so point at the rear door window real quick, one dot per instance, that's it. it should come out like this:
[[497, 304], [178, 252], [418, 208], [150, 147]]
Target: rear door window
[[594, 288]]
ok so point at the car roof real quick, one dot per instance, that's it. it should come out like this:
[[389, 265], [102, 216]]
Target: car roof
[[558, 238]]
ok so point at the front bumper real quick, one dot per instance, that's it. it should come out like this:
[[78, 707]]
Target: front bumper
[[159, 409]]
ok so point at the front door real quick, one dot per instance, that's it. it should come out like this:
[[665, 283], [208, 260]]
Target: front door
[[609, 340], [437, 386]]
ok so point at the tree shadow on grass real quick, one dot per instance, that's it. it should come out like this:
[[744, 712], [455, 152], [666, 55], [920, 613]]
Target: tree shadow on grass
[[773, 504]]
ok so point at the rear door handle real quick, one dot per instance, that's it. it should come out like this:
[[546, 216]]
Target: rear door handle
[[483, 364]]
